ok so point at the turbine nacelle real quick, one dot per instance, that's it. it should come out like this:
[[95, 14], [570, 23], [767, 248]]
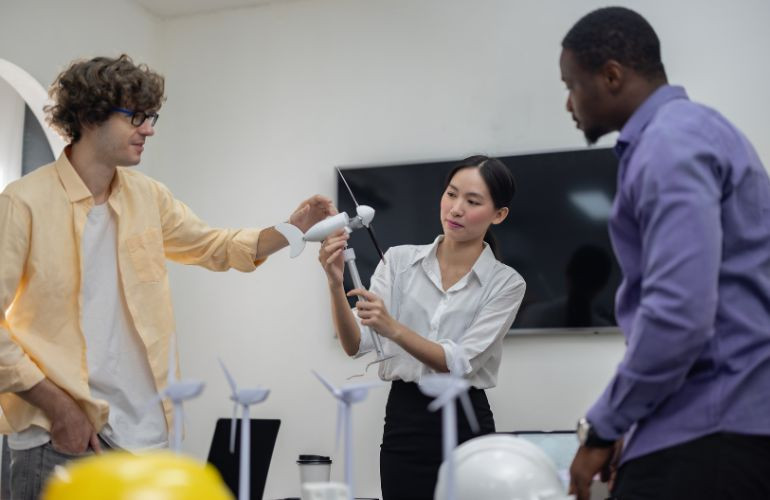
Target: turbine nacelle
[[321, 230], [250, 396]]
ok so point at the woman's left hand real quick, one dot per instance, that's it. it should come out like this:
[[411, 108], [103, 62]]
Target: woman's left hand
[[373, 313]]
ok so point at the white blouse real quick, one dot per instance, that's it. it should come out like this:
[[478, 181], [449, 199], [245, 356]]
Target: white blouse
[[469, 320]]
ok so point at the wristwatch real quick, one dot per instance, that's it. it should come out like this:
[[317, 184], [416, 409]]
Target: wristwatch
[[589, 438]]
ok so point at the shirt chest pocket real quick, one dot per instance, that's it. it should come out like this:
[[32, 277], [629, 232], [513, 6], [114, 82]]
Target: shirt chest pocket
[[147, 256]]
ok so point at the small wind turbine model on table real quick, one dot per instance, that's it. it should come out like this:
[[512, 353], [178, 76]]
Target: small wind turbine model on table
[[177, 391], [446, 388], [245, 398], [346, 396]]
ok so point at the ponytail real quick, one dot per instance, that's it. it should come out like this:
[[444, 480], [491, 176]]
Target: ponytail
[[490, 239]]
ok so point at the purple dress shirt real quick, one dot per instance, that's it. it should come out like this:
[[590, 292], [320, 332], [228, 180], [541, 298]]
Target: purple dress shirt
[[690, 226]]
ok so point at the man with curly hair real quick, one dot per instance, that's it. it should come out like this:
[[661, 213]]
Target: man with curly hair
[[85, 308], [687, 411]]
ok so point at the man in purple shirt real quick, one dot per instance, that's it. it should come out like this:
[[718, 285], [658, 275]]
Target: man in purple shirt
[[688, 410]]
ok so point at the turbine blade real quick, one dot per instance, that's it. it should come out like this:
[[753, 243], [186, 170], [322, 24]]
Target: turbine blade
[[347, 186], [327, 384], [363, 385], [469, 413], [442, 400], [230, 379], [370, 230]]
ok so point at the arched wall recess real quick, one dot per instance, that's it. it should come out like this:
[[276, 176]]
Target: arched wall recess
[[35, 96]]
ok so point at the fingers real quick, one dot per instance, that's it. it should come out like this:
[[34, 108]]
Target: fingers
[[364, 294], [95, 444], [319, 200], [334, 244], [298, 215], [333, 257], [581, 491], [322, 203], [340, 235], [331, 250], [606, 472]]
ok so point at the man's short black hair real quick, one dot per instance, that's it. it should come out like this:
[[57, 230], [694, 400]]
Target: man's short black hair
[[616, 33]]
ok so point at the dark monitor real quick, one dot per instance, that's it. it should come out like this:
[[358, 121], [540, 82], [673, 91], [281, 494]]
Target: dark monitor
[[555, 236], [263, 436]]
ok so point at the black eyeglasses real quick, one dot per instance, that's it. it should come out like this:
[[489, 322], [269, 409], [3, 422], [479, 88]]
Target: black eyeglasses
[[138, 117]]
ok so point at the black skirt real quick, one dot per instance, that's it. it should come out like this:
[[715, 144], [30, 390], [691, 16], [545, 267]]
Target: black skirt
[[411, 454]]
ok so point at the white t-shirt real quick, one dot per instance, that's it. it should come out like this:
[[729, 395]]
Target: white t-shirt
[[469, 320], [118, 369]]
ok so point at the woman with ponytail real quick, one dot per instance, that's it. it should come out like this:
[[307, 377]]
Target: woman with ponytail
[[442, 307]]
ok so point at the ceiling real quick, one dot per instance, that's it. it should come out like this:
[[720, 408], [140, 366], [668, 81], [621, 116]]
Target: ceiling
[[169, 9]]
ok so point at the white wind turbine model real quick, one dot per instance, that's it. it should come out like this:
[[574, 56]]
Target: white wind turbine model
[[177, 391], [346, 396], [330, 225], [446, 388], [245, 398]]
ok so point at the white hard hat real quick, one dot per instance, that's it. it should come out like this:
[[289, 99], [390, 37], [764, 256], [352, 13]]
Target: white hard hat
[[502, 467]]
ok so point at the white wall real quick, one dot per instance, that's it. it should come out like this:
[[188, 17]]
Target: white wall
[[263, 102], [43, 36], [11, 133]]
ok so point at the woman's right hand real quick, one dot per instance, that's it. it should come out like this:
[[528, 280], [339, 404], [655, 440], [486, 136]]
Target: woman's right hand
[[331, 258]]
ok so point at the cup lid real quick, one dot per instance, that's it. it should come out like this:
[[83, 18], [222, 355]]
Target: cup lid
[[313, 459]]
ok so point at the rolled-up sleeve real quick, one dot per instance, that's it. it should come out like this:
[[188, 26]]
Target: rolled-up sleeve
[[677, 204], [17, 371], [189, 240], [466, 355]]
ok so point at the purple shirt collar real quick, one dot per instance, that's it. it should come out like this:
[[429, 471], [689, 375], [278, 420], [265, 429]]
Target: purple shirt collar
[[644, 113]]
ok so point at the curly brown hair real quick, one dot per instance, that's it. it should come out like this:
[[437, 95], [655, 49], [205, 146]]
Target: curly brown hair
[[87, 91]]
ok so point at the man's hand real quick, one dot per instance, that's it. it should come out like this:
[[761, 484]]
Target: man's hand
[[71, 431], [587, 463], [311, 211]]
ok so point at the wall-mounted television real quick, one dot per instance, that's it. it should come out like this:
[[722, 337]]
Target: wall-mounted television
[[556, 234]]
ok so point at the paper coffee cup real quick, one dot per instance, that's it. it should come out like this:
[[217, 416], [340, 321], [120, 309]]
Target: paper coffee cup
[[314, 469]]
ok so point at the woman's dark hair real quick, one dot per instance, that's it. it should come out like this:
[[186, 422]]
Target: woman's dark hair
[[87, 92], [499, 181]]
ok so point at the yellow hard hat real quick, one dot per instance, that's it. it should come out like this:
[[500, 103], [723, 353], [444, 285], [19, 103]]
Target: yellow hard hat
[[159, 475]]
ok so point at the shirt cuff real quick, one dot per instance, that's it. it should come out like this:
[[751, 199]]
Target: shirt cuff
[[607, 422], [365, 344], [456, 361], [22, 376], [245, 250]]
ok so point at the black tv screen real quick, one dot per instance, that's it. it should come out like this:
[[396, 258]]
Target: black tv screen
[[555, 235]]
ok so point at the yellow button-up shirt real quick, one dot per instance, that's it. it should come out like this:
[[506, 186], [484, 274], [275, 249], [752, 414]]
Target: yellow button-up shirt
[[42, 217]]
